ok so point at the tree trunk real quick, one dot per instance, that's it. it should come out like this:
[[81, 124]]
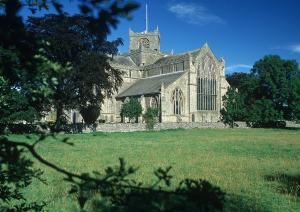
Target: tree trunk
[[59, 115]]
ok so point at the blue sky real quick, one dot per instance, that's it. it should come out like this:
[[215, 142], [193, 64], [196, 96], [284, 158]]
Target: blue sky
[[240, 31]]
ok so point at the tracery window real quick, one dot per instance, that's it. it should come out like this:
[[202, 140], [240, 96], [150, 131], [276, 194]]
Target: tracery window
[[177, 100], [207, 84], [206, 94]]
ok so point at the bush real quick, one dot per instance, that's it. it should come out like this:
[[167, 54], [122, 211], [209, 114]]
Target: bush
[[263, 114], [132, 109], [90, 114], [67, 128], [22, 128], [2, 128], [150, 117]]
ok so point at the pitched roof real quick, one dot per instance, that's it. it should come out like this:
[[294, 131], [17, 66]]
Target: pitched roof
[[123, 60], [150, 85]]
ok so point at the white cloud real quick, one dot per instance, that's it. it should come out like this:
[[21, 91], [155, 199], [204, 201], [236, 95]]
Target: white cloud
[[295, 48], [194, 14], [237, 67]]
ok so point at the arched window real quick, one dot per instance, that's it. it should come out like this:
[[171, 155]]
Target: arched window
[[207, 84], [177, 100], [206, 94], [153, 102]]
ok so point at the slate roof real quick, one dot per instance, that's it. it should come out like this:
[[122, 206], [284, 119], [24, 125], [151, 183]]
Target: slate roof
[[150, 85], [123, 60], [173, 58]]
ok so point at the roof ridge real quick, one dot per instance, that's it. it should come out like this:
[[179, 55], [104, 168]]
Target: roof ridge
[[177, 72]]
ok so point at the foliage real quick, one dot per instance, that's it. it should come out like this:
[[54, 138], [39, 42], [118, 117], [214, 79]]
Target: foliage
[[121, 194], [224, 157], [14, 106], [30, 79], [272, 79], [132, 109], [294, 98], [71, 40], [271, 92], [264, 114], [90, 114], [16, 173], [36, 76], [235, 79], [150, 117], [234, 108]]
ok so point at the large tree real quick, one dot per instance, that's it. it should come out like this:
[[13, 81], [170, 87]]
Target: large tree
[[72, 42], [275, 79], [235, 79], [28, 82], [271, 92]]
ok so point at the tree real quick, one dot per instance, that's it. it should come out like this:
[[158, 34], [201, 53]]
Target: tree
[[275, 75], [294, 99], [28, 81], [72, 41], [233, 108], [132, 109], [14, 106], [16, 170], [235, 79], [150, 117], [264, 114], [90, 114], [272, 81]]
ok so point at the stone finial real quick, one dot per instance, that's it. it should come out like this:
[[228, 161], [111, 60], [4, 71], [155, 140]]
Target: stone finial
[[205, 44], [130, 31]]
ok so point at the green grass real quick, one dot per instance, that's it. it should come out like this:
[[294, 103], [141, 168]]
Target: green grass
[[250, 165]]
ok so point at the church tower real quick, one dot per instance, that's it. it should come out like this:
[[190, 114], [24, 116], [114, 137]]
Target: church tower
[[144, 40], [144, 47]]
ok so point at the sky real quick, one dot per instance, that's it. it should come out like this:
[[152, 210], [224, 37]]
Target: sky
[[240, 31]]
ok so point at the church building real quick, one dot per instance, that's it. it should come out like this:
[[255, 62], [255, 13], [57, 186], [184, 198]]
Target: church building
[[186, 87]]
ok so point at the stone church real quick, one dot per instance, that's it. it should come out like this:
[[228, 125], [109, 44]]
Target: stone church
[[187, 87]]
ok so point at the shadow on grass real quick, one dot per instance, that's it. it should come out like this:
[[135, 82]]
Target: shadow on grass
[[245, 204], [288, 184], [292, 128], [116, 192]]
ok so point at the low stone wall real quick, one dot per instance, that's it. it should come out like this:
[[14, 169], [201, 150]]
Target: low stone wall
[[131, 127], [292, 124]]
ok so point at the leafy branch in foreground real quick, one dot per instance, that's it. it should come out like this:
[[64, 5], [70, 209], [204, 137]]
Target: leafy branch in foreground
[[117, 190]]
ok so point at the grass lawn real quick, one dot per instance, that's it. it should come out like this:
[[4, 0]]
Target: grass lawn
[[259, 169]]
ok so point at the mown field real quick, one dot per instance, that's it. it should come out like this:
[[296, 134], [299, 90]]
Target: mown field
[[258, 169]]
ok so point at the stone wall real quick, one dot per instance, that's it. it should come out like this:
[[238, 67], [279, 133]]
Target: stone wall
[[131, 127]]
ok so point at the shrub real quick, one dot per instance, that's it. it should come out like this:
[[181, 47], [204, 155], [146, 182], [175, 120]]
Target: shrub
[[132, 109], [22, 128], [263, 114], [150, 117], [90, 114]]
